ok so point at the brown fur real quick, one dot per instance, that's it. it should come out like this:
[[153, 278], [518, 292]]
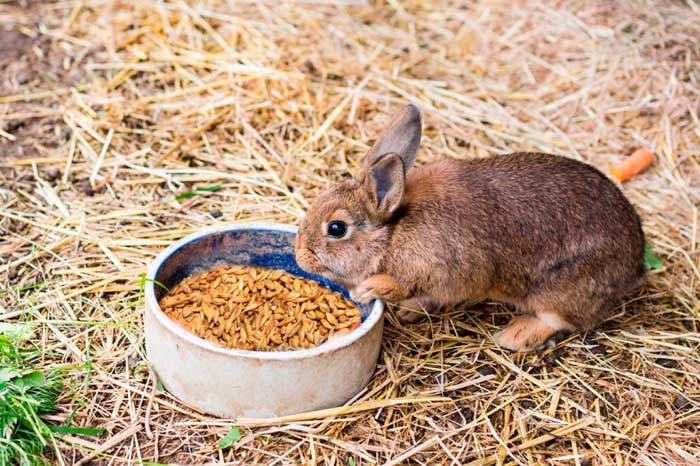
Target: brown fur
[[550, 235]]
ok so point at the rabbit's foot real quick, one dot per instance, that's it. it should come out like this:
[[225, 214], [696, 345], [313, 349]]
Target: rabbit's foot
[[525, 333], [379, 286], [415, 309]]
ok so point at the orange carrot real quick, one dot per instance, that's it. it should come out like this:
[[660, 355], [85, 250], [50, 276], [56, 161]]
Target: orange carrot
[[354, 326], [635, 163]]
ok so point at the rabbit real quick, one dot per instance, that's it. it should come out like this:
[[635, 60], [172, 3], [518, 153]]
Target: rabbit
[[549, 235]]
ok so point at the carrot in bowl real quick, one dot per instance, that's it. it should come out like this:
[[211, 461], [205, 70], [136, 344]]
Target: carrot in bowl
[[635, 163]]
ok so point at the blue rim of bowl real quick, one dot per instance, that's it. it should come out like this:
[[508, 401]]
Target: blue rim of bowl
[[370, 321]]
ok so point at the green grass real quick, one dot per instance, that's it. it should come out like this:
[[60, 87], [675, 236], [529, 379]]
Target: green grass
[[191, 194], [25, 395], [77, 430], [144, 280], [24, 288]]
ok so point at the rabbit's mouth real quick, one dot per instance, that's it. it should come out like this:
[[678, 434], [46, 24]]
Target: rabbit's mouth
[[309, 261]]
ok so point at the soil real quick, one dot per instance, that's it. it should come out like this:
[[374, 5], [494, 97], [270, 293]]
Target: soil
[[29, 65], [15, 44]]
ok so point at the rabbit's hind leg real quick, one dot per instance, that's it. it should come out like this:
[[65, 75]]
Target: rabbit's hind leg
[[580, 299], [531, 332]]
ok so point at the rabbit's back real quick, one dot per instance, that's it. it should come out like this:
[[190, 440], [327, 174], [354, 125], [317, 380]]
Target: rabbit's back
[[511, 224]]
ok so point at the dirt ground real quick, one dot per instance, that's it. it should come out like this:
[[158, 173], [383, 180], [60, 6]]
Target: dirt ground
[[30, 62], [110, 109]]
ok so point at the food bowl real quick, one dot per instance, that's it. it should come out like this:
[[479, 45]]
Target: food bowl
[[236, 383]]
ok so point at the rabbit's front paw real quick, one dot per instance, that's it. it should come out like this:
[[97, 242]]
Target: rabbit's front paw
[[380, 286], [363, 293]]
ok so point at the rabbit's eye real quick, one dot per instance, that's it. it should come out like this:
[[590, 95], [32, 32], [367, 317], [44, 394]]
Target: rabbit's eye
[[337, 229]]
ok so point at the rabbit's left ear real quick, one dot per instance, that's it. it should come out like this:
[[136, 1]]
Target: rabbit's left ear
[[401, 136], [384, 184]]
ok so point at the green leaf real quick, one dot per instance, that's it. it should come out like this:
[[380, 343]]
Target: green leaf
[[351, 461], [210, 189], [186, 195], [32, 379], [651, 260], [233, 436], [77, 430]]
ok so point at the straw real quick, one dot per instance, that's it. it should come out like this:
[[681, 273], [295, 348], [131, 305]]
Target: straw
[[109, 110]]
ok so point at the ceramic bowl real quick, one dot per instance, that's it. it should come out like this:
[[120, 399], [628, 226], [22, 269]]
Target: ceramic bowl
[[252, 384]]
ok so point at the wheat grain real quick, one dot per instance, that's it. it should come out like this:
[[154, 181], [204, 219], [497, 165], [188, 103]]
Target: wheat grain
[[259, 309]]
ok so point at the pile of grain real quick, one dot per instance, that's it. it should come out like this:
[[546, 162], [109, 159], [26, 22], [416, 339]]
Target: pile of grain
[[259, 309]]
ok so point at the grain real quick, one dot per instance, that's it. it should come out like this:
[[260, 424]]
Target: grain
[[259, 309]]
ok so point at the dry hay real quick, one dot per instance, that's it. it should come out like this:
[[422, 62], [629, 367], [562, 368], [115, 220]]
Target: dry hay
[[112, 108]]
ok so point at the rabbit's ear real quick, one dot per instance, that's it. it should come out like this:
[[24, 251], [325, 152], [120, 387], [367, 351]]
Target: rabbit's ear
[[400, 136], [384, 182]]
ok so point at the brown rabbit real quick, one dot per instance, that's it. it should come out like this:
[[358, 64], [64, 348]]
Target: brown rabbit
[[547, 234]]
